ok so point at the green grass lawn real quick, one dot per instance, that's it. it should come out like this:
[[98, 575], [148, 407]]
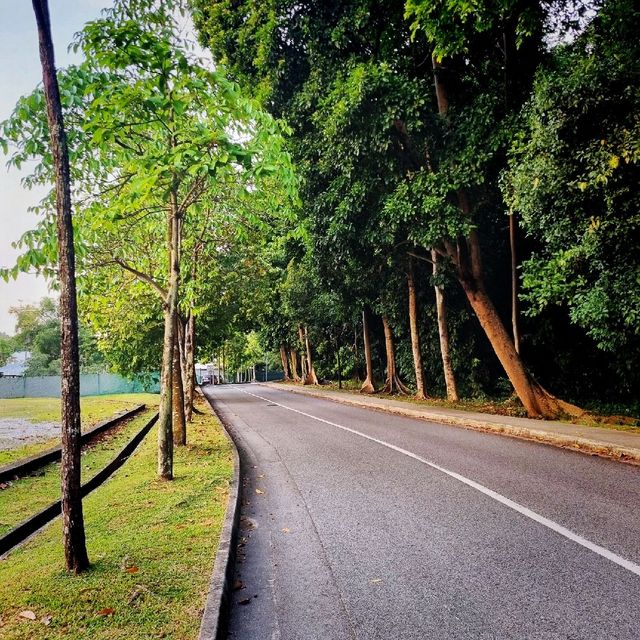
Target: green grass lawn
[[30, 494], [151, 544], [94, 409]]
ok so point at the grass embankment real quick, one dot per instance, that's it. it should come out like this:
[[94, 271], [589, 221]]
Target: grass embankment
[[151, 545], [510, 406], [94, 409], [29, 495]]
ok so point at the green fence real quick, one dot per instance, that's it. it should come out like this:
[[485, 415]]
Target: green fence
[[91, 384]]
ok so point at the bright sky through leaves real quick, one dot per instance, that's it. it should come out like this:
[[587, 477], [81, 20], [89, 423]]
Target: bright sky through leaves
[[19, 73]]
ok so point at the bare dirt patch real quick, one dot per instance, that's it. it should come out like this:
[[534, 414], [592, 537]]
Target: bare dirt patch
[[16, 432]]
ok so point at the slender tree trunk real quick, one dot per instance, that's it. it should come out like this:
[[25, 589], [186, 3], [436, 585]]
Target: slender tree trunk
[[443, 331], [177, 402], [415, 332], [294, 364], [311, 378], [190, 366], [368, 385], [339, 366], [392, 384], [181, 328], [165, 427], [285, 364], [75, 549], [304, 365], [509, 53], [513, 226], [356, 355], [180, 341]]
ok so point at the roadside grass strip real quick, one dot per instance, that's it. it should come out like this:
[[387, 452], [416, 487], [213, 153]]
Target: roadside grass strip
[[152, 546], [94, 409], [28, 495]]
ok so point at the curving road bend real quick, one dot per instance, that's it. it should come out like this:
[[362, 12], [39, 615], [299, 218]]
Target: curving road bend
[[363, 525]]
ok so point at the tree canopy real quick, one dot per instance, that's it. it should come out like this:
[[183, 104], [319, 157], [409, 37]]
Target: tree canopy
[[463, 174]]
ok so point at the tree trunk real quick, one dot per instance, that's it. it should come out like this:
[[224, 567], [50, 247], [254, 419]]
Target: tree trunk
[[356, 355], [368, 385], [443, 331], [392, 384], [165, 427], [513, 225], [311, 378], [190, 366], [182, 359], [285, 364], [537, 401], [75, 549], [304, 365], [467, 259], [180, 341], [177, 402], [415, 332], [294, 365]]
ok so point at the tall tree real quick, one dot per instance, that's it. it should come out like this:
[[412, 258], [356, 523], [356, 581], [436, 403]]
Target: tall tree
[[443, 333], [75, 550], [464, 41], [157, 130], [421, 393]]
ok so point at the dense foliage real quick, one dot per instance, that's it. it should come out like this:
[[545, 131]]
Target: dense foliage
[[574, 177], [38, 332], [540, 121], [426, 164]]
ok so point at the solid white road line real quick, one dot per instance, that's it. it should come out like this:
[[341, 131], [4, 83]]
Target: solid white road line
[[550, 524]]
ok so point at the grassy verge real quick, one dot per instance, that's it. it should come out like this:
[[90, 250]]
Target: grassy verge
[[30, 494], [496, 406], [94, 409], [151, 545]]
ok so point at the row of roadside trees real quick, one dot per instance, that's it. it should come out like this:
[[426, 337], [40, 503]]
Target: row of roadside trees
[[170, 173], [406, 190], [469, 190]]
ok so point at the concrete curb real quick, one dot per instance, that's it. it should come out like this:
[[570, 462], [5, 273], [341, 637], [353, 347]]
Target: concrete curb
[[31, 525], [22, 467], [581, 444], [216, 611]]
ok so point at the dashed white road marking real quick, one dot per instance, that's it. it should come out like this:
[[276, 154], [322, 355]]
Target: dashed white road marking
[[536, 517]]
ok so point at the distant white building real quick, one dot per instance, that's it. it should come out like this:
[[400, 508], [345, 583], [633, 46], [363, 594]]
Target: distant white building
[[16, 364], [207, 372]]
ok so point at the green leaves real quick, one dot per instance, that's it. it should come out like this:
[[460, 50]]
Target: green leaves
[[574, 176], [153, 129]]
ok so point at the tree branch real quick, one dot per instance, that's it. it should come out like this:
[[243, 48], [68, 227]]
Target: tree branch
[[143, 277]]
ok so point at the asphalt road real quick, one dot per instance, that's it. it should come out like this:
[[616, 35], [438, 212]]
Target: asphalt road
[[360, 524]]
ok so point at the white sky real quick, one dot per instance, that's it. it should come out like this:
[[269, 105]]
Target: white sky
[[19, 73]]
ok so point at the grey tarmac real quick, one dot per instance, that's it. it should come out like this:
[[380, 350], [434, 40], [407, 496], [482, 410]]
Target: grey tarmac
[[361, 525]]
